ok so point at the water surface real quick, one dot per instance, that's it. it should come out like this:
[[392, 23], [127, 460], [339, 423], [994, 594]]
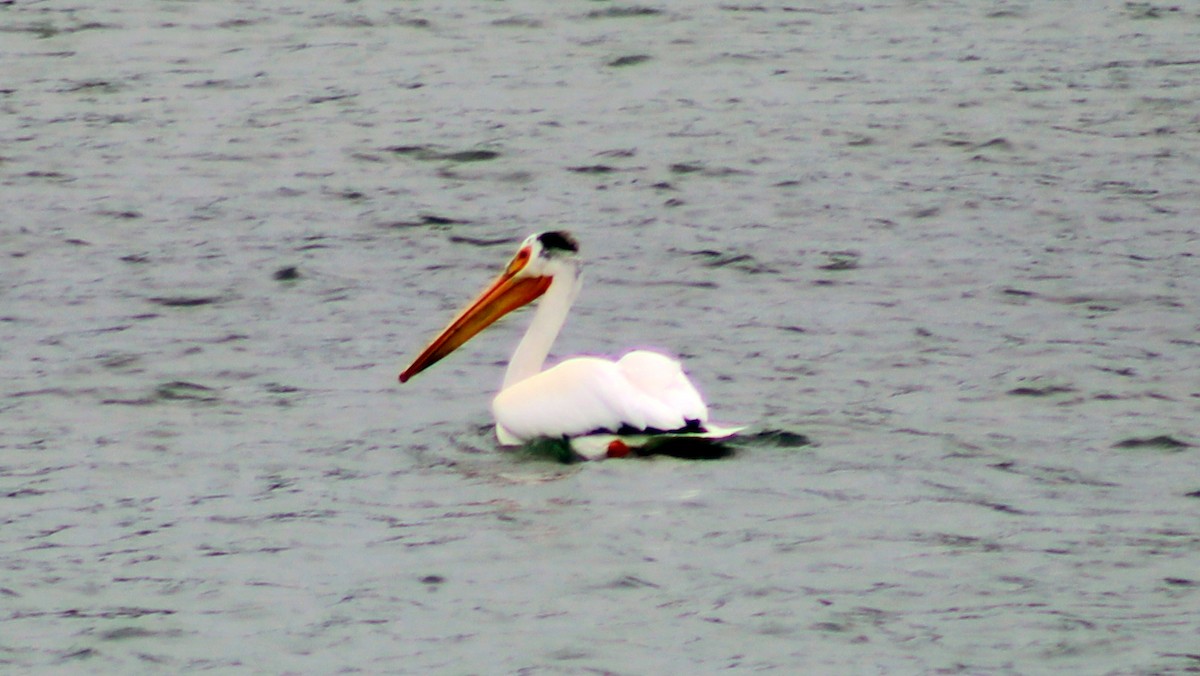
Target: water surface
[[953, 244]]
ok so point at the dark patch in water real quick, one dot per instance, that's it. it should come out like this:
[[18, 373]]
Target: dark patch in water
[[119, 360], [180, 390], [23, 493], [776, 438], [694, 284], [629, 582], [114, 613], [631, 60], [743, 262], [185, 301], [623, 12], [1043, 391], [593, 169], [1000, 507], [412, 22], [1161, 441], [435, 220], [481, 242], [696, 168], [840, 260], [90, 85], [286, 274], [428, 220], [1050, 475], [51, 175], [417, 151], [471, 156], [1190, 656], [518, 22], [84, 654], [126, 215], [964, 542], [998, 143], [338, 96], [306, 515], [427, 153], [125, 633]]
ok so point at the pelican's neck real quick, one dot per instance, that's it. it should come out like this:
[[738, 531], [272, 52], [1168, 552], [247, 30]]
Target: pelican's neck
[[551, 313]]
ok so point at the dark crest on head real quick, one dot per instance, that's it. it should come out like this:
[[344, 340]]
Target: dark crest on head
[[558, 240]]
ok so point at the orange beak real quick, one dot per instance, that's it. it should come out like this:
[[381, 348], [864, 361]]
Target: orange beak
[[504, 295]]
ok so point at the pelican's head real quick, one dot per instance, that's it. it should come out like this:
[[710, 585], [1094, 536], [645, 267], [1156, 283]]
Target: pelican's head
[[526, 277], [541, 254]]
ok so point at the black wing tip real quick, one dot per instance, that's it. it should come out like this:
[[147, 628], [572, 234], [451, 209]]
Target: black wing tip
[[690, 427], [560, 240], [688, 448]]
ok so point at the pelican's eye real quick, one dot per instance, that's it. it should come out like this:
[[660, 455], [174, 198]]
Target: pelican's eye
[[520, 260]]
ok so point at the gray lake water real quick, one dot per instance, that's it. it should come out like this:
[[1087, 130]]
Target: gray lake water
[[953, 244]]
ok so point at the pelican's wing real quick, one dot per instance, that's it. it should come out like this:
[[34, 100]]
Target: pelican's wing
[[643, 391], [662, 378]]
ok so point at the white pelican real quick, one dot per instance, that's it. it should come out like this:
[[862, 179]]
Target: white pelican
[[603, 407]]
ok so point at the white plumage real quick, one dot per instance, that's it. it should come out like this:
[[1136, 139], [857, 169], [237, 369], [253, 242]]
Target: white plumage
[[643, 390]]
